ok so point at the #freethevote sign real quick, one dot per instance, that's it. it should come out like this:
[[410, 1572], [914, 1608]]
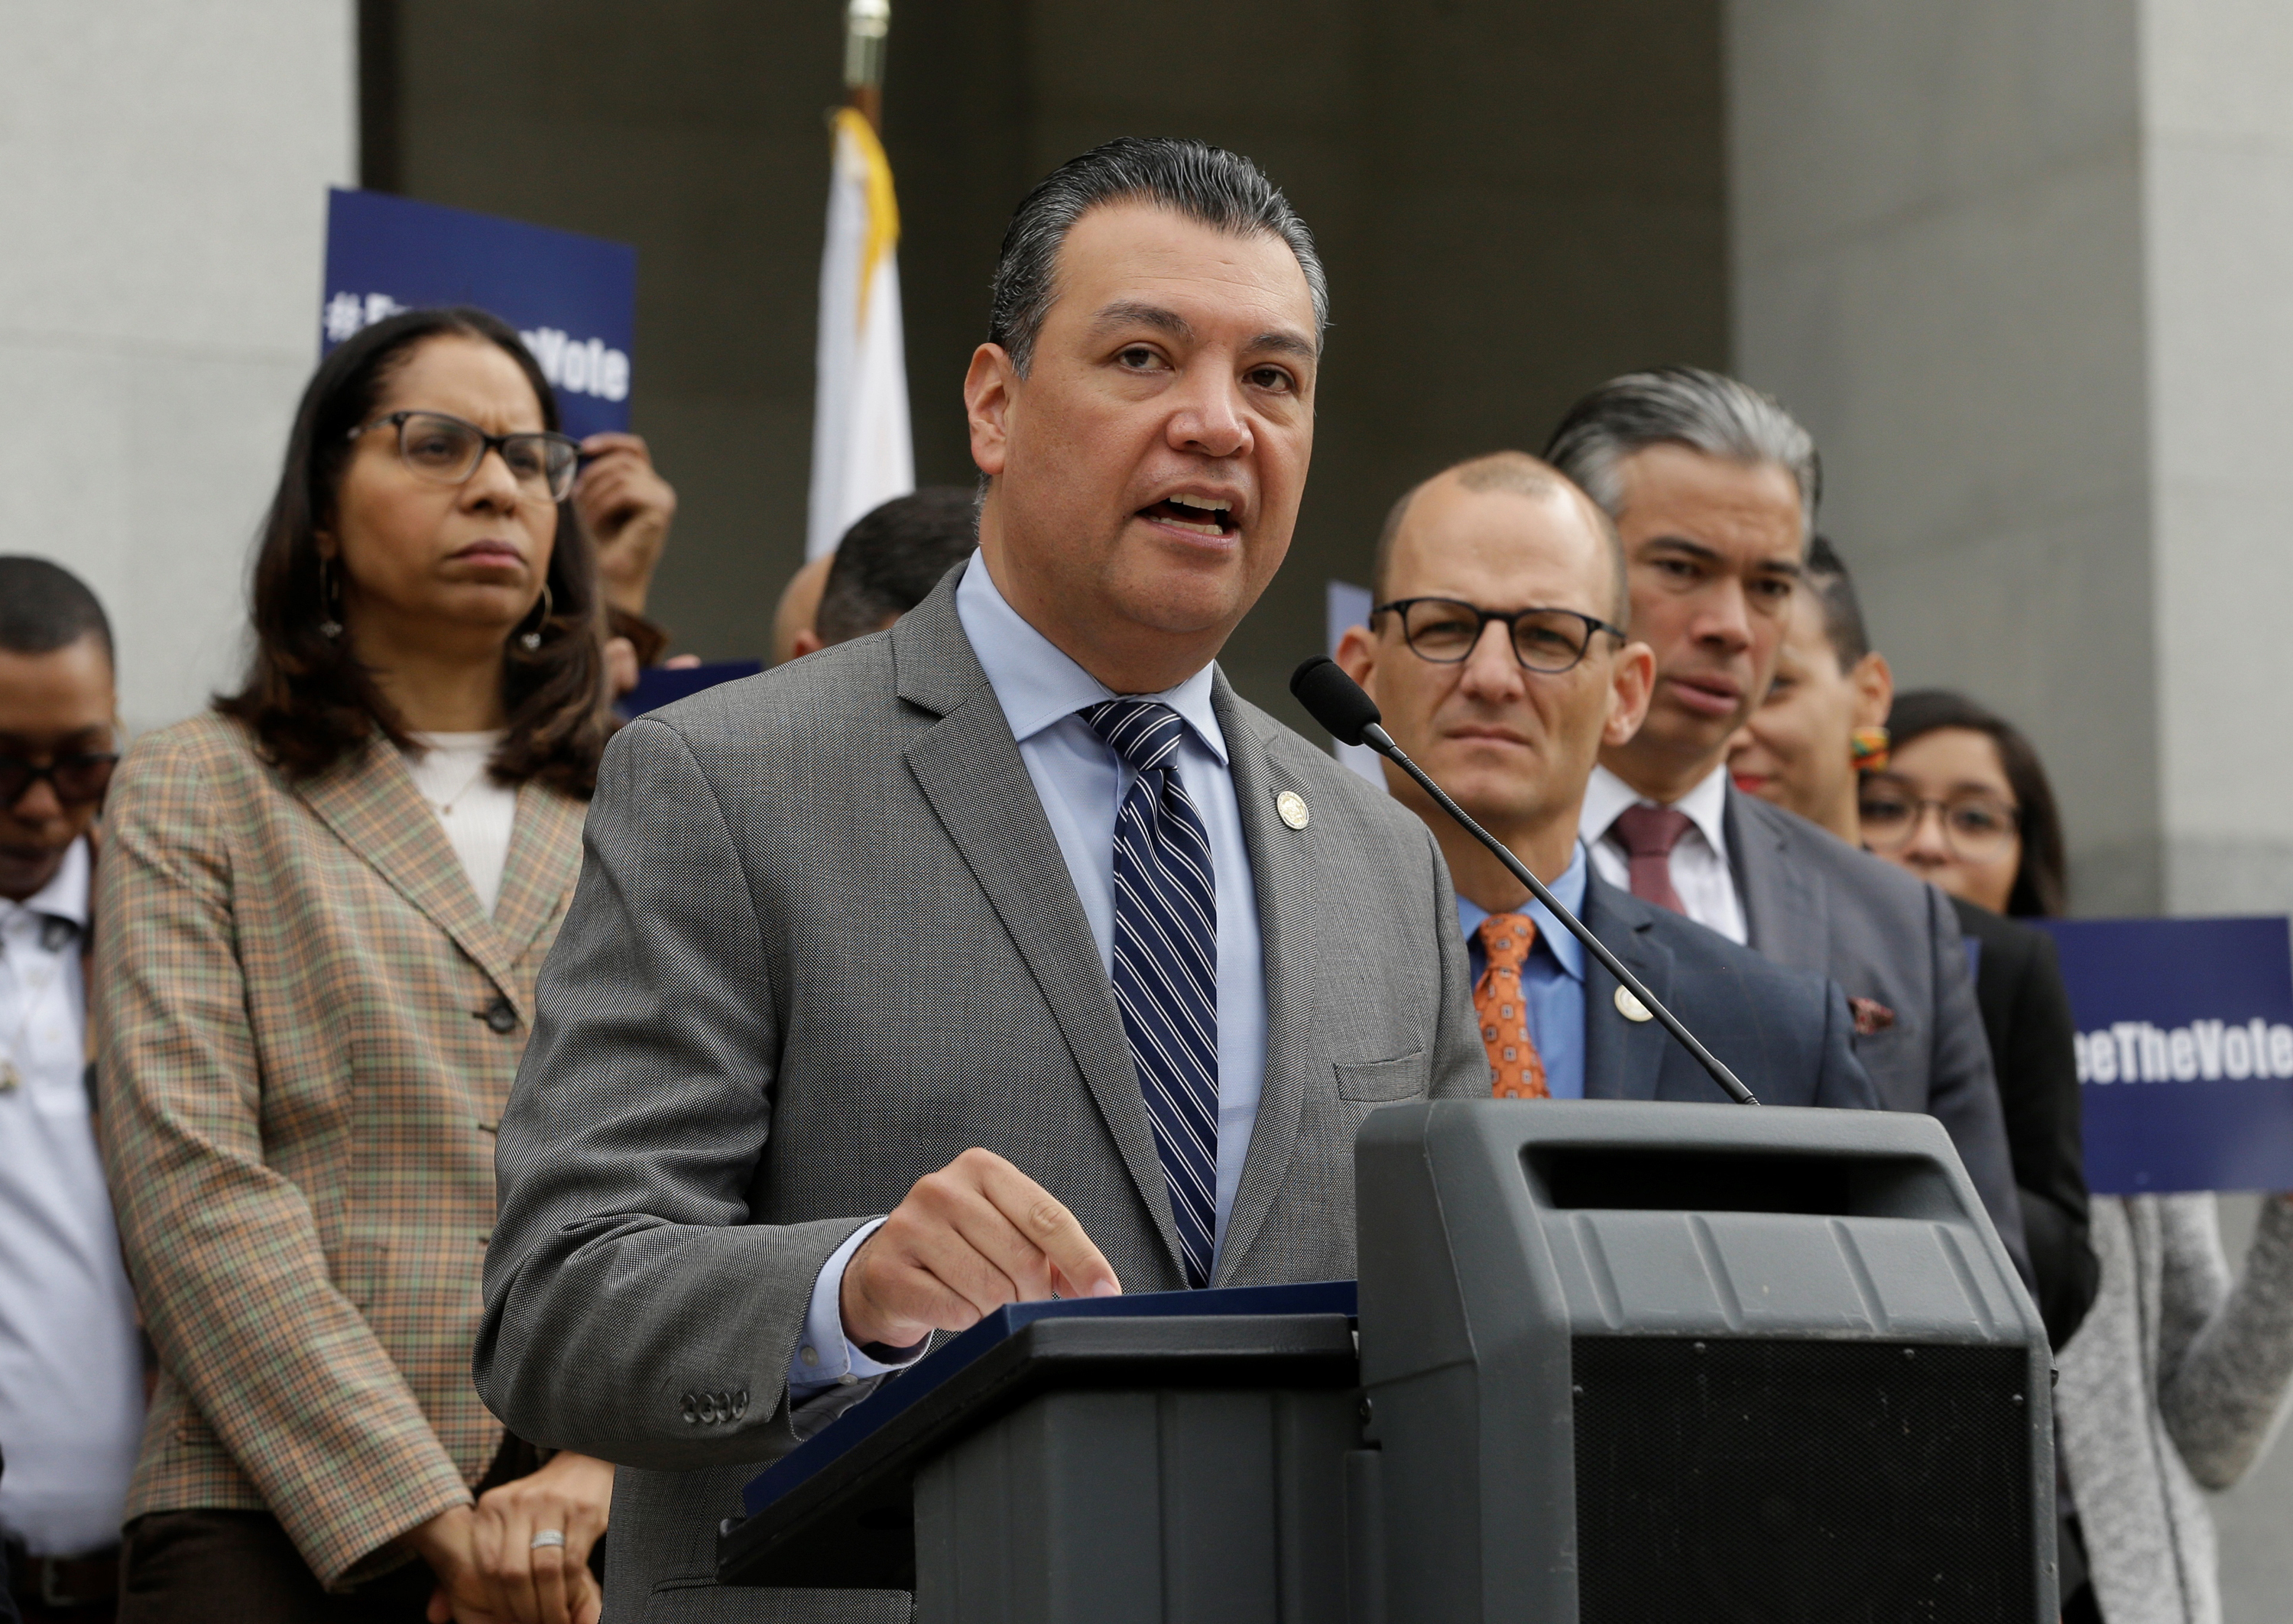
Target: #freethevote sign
[[2184, 1051], [571, 298]]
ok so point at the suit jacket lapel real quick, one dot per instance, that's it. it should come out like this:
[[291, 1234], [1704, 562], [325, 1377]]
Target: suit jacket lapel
[[1290, 932], [1784, 909], [1622, 1058], [970, 769], [545, 860], [369, 800]]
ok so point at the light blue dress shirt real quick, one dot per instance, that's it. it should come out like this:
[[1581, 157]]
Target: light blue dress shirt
[[1081, 783], [1553, 981]]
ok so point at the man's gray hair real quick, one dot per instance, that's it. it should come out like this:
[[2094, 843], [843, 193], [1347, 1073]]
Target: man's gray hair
[[1681, 406], [1220, 190]]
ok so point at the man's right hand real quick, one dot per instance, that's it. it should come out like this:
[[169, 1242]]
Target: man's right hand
[[975, 1235]]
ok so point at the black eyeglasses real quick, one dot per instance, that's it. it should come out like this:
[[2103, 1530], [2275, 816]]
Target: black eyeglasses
[[1976, 826], [1445, 631], [77, 779], [445, 450]]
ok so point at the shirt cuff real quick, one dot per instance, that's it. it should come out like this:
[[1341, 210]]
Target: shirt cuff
[[825, 1357]]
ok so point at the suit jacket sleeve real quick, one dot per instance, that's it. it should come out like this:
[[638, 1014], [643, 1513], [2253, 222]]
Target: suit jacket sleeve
[[225, 1252], [1460, 1061], [624, 1272], [1963, 1096], [1840, 1082], [2039, 1089]]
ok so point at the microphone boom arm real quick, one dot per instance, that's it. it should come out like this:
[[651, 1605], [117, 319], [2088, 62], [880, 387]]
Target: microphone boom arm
[[1377, 739]]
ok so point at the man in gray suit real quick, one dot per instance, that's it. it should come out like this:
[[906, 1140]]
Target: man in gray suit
[[1713, 487], [1496, 653], [1012, 924]]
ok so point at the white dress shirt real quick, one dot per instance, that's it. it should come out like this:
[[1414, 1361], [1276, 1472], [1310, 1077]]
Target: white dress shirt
[[1700, 873], [1081, 783], [477, 811], [71, 1366]]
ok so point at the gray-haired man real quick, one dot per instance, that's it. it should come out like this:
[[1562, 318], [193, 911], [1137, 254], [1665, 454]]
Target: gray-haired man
[[1012, 922], [1713, 487]]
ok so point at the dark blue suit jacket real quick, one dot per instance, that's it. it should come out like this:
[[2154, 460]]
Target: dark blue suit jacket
[[1786, 1033]]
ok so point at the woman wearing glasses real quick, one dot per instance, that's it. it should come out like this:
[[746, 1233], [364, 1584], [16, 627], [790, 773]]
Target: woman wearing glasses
[[322, 909], [2175, 1378]]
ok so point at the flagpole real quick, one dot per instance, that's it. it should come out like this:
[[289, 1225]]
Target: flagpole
[[866, 23]]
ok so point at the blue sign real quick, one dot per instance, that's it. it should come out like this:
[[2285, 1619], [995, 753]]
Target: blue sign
[[2184, 1051], [572, 298], [667, 684]]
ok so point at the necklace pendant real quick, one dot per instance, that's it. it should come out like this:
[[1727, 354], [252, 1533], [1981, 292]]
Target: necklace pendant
[[11, 1079]]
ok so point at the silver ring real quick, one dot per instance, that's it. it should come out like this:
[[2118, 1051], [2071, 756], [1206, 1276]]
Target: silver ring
[[547, 1540]]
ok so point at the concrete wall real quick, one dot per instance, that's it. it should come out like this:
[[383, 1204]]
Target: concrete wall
[[2217, 193], [2026, 267], [163, 176], [1499, 238], [1938, 233]]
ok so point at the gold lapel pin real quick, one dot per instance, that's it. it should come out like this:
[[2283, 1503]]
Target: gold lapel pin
[[1631, 1008], [1291, 806]]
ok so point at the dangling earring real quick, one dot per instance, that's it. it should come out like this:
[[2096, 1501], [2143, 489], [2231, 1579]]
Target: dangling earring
[[331, 627], [531, 640], [1868, 747]]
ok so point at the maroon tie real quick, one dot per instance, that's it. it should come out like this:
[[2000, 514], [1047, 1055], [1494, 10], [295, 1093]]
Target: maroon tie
[[1649, 833]]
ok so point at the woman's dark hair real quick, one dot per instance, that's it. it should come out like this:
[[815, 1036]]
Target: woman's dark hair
[[2042, 882], [308, 700]]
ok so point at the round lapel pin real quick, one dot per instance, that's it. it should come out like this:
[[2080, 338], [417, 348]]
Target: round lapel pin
[[1291, 806], [1631, 1008]]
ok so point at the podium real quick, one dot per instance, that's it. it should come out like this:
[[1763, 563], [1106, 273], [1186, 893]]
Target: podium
[[1606, 1361], [1170, 1455]]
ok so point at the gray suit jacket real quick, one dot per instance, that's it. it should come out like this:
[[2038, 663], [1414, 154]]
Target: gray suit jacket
[[824, 941], [1815, 902], [1786, 1033]]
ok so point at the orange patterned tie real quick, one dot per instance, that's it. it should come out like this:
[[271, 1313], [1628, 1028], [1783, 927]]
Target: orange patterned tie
[[1519, 1070]]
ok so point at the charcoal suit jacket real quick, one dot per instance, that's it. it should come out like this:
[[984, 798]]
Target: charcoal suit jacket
[[823, 941], [1787, 1034], [1814, 902]]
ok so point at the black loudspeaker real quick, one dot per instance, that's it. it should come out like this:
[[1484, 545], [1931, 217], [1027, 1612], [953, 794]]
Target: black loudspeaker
[[1629, 1363]]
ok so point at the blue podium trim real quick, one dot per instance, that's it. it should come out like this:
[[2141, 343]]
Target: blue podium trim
[[903, 1391]]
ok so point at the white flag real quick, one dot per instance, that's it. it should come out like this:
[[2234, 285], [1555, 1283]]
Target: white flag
[[861, 455]]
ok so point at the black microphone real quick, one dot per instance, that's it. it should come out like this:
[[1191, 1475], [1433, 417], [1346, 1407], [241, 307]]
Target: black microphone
[[1338, 703]]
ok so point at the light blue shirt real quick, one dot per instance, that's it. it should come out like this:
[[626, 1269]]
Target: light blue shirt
[[1081, 782], [1553, 981]]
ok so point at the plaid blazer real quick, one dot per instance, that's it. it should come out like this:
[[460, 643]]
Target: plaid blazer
[[306, 1037]]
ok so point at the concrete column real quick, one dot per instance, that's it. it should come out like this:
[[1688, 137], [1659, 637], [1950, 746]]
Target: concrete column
[[163, 176], [2217, 249], [2026, 267]]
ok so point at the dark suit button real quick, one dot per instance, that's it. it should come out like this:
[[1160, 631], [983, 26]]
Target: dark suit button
[[740, 1403], [690, 1408], [500, 1014]]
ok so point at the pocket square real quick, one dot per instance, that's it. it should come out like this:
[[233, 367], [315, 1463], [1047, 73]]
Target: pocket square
[[1871, 1016]]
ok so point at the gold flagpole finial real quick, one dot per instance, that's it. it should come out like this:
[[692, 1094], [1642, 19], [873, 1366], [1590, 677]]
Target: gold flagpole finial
[[866, 22]]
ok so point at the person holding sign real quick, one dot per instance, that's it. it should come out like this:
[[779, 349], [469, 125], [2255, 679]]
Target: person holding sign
[[323, 907], [2178, 1380]]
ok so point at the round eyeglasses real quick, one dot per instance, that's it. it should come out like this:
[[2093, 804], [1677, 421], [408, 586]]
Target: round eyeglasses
[[445, 450], [1446, 630], [77, 779], [1977, 826]]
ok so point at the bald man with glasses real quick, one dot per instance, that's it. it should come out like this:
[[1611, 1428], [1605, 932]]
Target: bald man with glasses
[[1496, 656]]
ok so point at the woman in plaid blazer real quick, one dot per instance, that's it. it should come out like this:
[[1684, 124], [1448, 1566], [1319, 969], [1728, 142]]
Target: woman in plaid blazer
[[322, 911]]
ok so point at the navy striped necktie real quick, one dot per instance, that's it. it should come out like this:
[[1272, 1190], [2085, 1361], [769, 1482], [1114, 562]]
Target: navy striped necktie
[[1166, 962]]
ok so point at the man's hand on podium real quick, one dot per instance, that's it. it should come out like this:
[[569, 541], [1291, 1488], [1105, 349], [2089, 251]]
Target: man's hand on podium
[[969, 1239]]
